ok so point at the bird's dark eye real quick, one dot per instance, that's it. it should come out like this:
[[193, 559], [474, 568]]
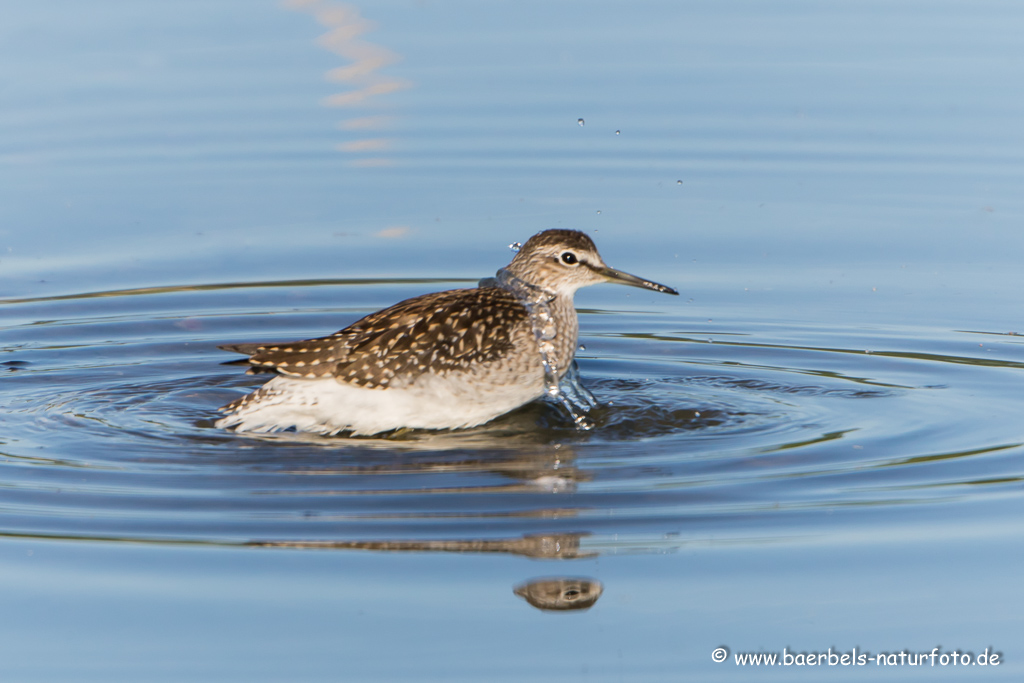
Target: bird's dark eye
[[569, 258]]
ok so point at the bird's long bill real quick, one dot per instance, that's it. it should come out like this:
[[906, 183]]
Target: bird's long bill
[[634, 281]]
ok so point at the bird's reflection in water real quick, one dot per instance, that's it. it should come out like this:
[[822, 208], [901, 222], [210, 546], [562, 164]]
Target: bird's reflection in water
[[549, 594], [560, 594], [513, 465], [527, 469], [539, 546]]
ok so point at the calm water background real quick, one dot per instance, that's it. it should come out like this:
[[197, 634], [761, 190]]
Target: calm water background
[[817, 445]]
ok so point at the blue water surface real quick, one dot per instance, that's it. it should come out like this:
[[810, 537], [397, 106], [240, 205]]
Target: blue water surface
[[817, 445]]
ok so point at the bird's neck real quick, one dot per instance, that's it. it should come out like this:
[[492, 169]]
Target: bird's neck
[[552, 315], [564, 313], [524, 290]]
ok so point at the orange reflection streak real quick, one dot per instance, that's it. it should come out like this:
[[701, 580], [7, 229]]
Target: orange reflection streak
[[345, 26]]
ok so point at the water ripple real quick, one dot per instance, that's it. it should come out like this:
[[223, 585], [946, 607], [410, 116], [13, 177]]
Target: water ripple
[[108, 434]]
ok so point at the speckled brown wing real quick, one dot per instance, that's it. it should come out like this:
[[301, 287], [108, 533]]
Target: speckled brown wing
[[307, 358], [437, 332]]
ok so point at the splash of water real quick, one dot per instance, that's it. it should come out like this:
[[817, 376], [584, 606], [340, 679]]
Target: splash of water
[[568, 391]]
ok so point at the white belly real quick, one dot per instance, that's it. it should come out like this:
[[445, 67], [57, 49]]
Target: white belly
[[325, 406]]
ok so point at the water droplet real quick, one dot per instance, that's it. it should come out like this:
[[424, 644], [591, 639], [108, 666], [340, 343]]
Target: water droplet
[[567, 390], [697, 413], [516, 246], [617, 132], [599, 212], [581, 122], [679, 182], [582, 347]]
